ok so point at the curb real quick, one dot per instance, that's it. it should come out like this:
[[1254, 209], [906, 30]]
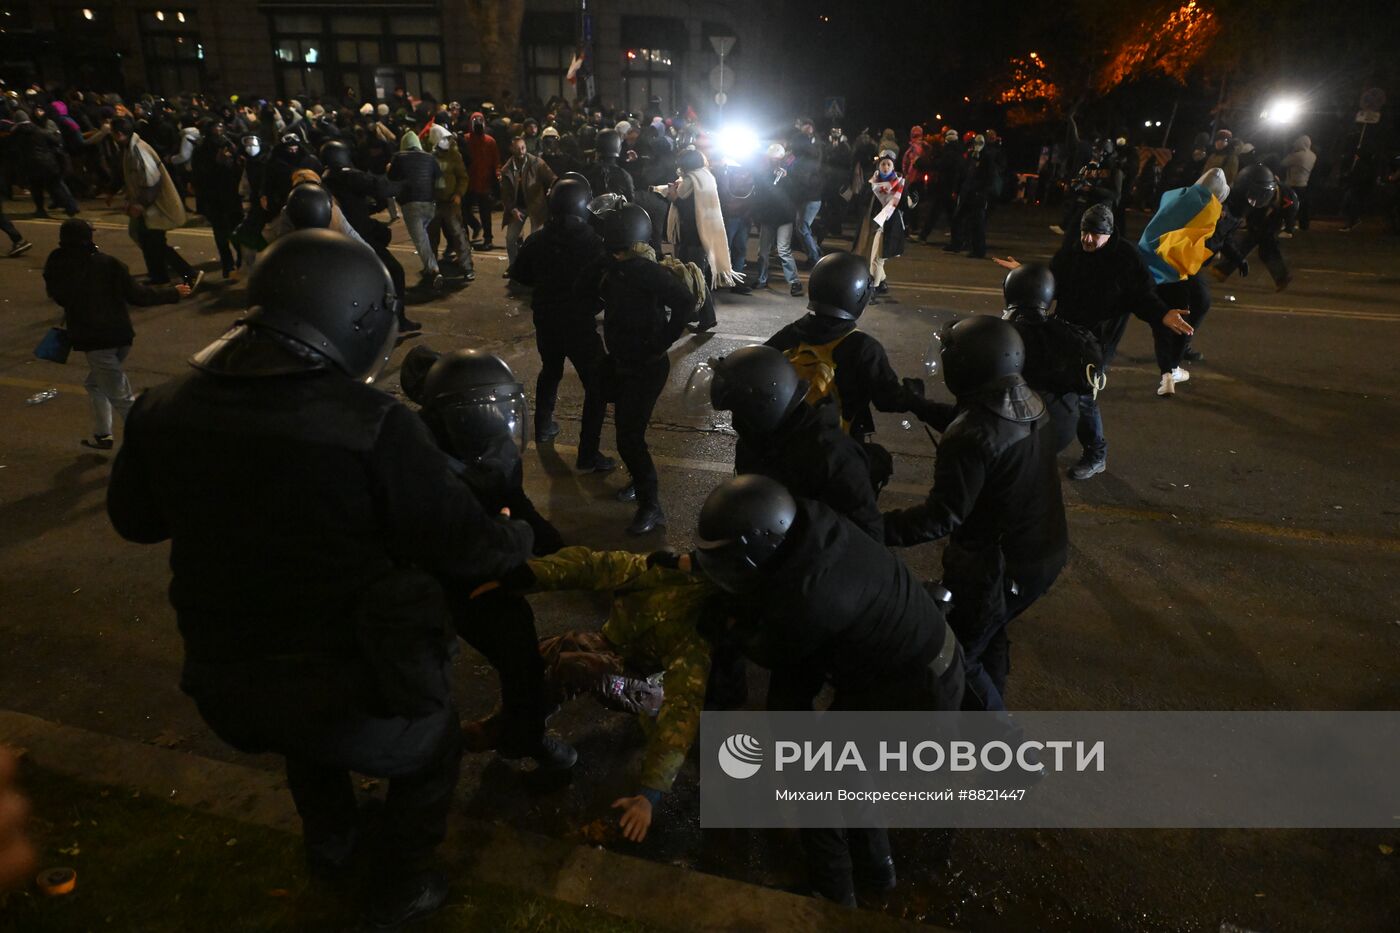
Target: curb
[[624, 886]]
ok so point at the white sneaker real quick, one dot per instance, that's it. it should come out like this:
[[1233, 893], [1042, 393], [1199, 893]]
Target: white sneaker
[[1285, 235], [1168, 386], [1057, 230], [1180, 375]]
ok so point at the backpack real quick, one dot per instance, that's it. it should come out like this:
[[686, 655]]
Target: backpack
[[1062, 357], [816, 363]]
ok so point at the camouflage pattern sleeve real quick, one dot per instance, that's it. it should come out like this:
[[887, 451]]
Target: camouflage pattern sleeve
[[581, 568], [678, 723]]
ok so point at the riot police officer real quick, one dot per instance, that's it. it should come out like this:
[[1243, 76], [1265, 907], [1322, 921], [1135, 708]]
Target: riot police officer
[[645, 310], [550, 262], [476, 410], [839, 289], [783, 437], [313, 522], [359, 195], [606, 176], [1028, 292], [995, 496], [816, 601]]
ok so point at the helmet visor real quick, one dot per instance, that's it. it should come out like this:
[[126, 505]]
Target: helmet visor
[[477, 422], [727, 565]]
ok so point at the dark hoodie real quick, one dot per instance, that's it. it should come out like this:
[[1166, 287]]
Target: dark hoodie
[[94, 290]]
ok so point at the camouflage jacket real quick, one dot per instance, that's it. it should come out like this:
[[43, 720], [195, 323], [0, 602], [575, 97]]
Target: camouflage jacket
[[653, 623]]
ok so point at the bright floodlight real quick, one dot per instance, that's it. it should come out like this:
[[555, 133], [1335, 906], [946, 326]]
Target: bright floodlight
[[737, 143], [1283, 110]]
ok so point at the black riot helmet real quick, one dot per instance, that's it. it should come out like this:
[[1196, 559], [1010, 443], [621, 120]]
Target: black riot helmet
[[839, 286], [627, 225], [743, 523], [309, 205], [316, 299], [609, 144], [1028, 291], [336, 155], [1256, 185], [575, 176], [759, 386], [587, 136], [478, 408], [570, 198], [979, 352]]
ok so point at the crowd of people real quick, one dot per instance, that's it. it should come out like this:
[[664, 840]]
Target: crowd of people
[[329, 542]]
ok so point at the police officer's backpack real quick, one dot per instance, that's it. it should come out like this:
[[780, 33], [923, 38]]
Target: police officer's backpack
[[816, 363], [1062, 357]]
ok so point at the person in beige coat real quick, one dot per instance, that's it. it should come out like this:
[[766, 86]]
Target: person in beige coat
[[154, 206], [525, 181]]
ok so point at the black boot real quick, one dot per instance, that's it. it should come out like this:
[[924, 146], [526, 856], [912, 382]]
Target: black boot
[[649, 517], [405, 899]]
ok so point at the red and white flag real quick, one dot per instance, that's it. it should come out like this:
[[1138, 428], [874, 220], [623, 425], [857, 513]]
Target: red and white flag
[[574, 66]]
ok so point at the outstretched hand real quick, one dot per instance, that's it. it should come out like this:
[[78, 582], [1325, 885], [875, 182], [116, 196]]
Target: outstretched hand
[[1008, 263], [636, 816], [1175, 321]]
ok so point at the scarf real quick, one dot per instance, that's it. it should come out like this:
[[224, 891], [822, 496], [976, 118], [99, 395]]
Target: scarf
[[700, 184], [889, 191]]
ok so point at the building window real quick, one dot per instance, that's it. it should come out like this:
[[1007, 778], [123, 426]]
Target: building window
[[649, 80], [549, 41], [363, 56], [174, 54]]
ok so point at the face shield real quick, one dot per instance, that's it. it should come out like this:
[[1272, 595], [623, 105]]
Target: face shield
[[252, 145], [485, 429], [727, 565]]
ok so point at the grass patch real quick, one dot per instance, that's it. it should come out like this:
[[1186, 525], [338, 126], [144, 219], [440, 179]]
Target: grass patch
[[148, 865]]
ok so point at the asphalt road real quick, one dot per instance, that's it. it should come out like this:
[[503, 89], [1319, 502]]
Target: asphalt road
[[1241, 552]]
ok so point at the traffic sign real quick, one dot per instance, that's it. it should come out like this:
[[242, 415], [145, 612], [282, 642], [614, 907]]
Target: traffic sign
[[835, 107], [1368, 116], [1373, 98], [721, 98], [721, 78], [722, 44]]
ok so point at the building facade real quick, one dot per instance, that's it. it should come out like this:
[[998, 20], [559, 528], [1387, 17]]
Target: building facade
[[636, 52]]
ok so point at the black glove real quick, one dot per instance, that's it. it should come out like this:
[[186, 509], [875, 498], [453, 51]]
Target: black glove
[[669, 558], [911, 384]]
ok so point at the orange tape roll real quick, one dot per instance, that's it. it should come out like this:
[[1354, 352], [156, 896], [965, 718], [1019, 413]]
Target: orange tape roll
[[57, 881]]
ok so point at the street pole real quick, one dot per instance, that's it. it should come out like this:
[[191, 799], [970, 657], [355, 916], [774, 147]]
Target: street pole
[[1166, 134]]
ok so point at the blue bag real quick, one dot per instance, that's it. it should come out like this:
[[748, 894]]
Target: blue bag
[[55, 346]]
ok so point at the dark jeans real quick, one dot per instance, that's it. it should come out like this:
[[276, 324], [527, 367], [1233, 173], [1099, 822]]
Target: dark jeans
[[229, 258], [694, 252], [1090, 425], [476, 203], [501, 626], [53, 186], [970, 226], [1267, 241], [1192, 294], [737, 228], [8, 228], [638, 386], [161, 258], [585, 352]]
